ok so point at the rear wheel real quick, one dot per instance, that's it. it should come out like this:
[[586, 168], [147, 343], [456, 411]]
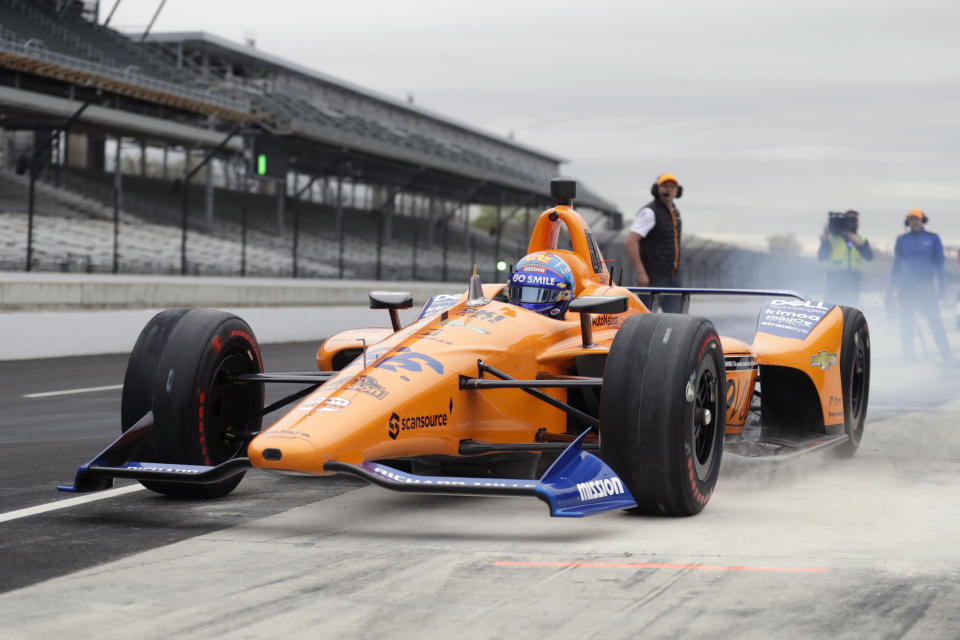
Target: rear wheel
[[854, 377], [663, 411], [200, 417]]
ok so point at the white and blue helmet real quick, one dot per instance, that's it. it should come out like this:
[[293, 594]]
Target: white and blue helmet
[[542, 282]]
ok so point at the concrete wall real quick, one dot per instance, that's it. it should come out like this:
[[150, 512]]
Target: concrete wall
[[56, 291], [45, 315]]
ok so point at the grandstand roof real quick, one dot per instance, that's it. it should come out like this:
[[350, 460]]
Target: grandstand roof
[[209, 42]]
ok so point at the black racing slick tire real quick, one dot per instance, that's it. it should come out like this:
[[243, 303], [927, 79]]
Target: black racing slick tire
[[854, 377], [200, 417], [137, 395], [663, 412]]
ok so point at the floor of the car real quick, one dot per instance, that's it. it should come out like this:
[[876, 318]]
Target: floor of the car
[[756, 443]]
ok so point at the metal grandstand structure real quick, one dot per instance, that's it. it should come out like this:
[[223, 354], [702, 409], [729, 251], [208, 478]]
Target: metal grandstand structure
[[230, 143]]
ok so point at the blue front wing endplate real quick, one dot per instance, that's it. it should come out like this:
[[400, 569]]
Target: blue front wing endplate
[[576, 484]]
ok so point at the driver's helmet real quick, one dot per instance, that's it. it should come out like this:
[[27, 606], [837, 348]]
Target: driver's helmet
[[542, 282]]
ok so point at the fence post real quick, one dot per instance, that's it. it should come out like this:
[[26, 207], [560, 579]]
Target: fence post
[[243, 241], [340, 222], [117, 185]]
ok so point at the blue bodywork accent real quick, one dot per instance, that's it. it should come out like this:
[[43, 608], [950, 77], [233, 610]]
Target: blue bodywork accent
[[438, 304], [580, 484], [118, 452], [115, 462], [576, 484]]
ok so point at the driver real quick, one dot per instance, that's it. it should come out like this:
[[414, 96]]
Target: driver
[[542, 282]]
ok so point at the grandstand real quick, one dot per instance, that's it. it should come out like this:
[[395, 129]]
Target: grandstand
[[187, 153]]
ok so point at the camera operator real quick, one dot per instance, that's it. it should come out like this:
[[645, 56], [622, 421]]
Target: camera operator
[[844, 252]]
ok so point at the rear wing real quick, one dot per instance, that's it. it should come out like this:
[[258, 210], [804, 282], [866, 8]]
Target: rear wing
[[655, 294]]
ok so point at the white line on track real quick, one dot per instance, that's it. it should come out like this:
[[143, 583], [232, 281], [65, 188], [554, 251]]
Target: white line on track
[[916, 408], [64, 392], [69, 502]]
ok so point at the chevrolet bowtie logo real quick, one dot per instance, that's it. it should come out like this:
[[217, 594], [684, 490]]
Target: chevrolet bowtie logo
[[823, 359]]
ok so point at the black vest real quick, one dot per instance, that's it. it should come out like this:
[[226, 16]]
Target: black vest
[[660, 248]]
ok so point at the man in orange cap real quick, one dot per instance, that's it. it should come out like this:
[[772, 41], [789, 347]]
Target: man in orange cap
[[918, 279], [653, 243]]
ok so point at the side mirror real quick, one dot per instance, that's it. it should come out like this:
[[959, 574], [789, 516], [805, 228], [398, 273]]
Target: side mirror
[[391, 300], [585, 305], [599, 304]]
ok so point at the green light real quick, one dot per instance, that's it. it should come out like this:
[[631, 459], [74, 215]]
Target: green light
[[501, 266], [262, 164]]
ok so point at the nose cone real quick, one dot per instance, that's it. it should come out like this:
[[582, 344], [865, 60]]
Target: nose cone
[[285, 450]]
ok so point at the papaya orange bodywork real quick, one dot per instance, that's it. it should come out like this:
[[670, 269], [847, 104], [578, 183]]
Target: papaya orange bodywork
[[402, 397]]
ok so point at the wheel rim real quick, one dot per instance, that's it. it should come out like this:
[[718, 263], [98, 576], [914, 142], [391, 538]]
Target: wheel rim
[[706, 414], [225, 408]]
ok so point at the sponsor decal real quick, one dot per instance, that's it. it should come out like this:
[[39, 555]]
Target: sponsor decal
[[285, 433], [146, 466], [606, 321], [835, 414], [792, 318], [540, 280], [835, 401], [480, 314], [531, 268], [310, 404], [334, 404], [396, 424], [439, 303], [434, 333], [543, 258], [823, 359], [806, 304], [408, 360], [461, 323], [393, 426], [399, 476], [369, 386], [324, 404], [423, 422], [596, 489], [739, 363]]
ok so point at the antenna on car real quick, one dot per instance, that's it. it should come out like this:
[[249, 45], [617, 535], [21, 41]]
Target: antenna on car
[[475, 296], [620, 278]]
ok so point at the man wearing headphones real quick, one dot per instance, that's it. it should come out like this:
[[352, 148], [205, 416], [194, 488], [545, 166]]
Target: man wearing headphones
[[917, 264], [653, 243]]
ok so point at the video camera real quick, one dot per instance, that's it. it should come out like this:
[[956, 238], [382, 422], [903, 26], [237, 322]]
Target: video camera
[[841, 222]]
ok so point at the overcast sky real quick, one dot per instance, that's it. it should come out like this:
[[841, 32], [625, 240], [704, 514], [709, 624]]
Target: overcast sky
[[770, 113]]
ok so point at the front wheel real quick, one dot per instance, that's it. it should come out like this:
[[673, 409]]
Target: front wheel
[[663, 412], [854, 377], [201, 417]]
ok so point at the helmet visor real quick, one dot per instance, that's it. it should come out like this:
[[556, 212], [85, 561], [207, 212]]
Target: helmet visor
[[519, 293]]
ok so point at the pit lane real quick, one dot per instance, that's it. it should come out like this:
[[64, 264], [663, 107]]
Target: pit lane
[[864, 547]]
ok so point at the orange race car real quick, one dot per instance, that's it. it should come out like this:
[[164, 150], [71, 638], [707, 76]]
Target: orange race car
[[505, 389]]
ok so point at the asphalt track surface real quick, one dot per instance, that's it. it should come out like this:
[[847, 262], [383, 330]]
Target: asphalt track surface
[[816, 547]]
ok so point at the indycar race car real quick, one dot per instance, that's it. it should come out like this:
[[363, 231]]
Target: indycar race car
[[597, 404]]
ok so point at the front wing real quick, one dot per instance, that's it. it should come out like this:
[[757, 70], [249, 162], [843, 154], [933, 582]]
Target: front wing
[[577, 484]]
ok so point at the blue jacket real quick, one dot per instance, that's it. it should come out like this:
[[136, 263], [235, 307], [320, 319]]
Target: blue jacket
[[917, 258]]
